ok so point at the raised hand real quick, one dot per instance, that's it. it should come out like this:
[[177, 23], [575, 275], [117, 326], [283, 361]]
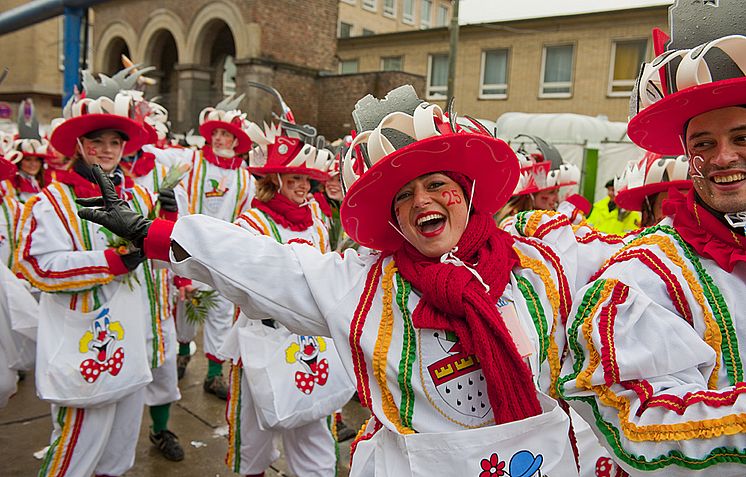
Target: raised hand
[[112, 212]]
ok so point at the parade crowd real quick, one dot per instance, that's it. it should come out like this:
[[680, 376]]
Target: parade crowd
[[492, 323]]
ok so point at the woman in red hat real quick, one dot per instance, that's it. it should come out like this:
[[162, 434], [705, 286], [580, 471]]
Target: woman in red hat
[[10, 208], [280, 210], [453, 333], [83, 270]]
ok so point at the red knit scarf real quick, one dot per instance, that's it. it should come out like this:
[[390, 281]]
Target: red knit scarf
[[85, 188], [141, 166], [326, 209], [453, 299], [705, 233], [286, 213], [232, 163]]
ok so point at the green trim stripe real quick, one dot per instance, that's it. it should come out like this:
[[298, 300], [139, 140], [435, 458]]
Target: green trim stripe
[[61, 412], [272, 226], [10, 232], [536, 310], [201, 191], [408, 353]]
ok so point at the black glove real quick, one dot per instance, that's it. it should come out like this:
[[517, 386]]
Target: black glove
[[133, 259], [112, 212], [167, 198]]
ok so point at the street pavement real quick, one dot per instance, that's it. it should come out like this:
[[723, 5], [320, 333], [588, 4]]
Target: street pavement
[[198, 419]]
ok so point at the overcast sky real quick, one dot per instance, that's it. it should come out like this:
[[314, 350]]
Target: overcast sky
[[483, 11]]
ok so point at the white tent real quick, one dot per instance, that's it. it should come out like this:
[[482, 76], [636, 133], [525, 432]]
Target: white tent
[[575, 135]]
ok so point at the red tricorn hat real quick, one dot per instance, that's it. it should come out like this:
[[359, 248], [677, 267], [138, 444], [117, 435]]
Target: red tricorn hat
[[226, 115]]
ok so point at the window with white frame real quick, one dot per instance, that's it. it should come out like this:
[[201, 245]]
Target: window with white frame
[[408, 11], [345, 30], [626, 58], [389, 8], [348, 66], [427, 12], [437, 76], [370, 4], [442, 15], [391, 63], [556, 71], [494, 78]]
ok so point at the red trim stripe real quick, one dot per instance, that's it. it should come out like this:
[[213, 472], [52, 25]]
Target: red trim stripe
[[356, 331], [559, 220], [79, 415], [606, 329], [654, 263], [710, 398], [563, 285]]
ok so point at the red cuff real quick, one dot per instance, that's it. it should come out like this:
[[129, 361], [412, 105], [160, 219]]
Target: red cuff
[[182, 282], [158, 242], [114, 260], [166, 215]]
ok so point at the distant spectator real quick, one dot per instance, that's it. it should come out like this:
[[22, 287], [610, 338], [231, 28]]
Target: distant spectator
[[608, 218]]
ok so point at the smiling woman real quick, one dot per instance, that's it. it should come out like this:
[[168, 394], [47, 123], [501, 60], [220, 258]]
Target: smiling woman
[[454, 331]]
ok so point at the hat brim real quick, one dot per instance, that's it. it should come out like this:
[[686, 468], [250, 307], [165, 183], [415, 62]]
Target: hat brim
[[65, 136], [632, 199], [660, 126], [366, 208], [311, 173], [244, 142]]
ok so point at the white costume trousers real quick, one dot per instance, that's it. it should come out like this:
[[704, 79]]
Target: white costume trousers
[[309, 450], [164, 388], [216, 327], [94, 441]]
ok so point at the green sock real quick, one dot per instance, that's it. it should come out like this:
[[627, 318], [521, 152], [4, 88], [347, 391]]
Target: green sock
[[184, 349], [214, 369], [159, 415]]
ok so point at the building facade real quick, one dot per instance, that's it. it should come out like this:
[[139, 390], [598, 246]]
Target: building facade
[[34, 62], [583, 64], [370, 17], [203, 51]]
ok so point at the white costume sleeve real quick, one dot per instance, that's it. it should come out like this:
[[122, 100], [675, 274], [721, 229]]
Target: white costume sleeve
[[171, 156], [49, 257], [651, 370], [295, 284]]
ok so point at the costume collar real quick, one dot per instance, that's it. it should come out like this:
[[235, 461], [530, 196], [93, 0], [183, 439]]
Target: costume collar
[[224, 162], [710, 237], [26, 184], [81, 180], [286, 213]]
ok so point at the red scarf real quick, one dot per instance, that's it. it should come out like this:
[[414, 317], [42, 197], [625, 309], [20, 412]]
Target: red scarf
[[705, 233], [224, 162], [454, 300], [141, 166], [326, 209], [24, 185], [286, 213], [84, 188]]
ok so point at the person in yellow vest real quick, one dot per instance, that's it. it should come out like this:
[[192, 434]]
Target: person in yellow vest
[[607, 217]]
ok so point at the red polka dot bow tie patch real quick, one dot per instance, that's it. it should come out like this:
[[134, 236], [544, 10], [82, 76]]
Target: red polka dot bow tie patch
[[91, 369], [306, 382]]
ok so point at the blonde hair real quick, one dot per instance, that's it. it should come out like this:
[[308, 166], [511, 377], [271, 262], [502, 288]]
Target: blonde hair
[[267, 187]]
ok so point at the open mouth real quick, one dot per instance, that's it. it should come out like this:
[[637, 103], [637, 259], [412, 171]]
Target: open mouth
[[729, 179], [430, 224]]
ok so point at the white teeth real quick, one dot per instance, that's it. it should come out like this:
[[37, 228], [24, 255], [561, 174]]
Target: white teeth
[[424, 219], [729, 178]]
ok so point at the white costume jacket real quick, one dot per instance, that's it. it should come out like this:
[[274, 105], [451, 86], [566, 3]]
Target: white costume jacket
[[62, 254], [415, 380], [656, 344]]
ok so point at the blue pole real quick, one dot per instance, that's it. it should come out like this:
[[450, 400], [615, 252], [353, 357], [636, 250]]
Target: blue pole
[[72, 24]]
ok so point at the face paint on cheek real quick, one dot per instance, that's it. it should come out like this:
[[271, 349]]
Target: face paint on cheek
[[90, 151], [452, 196]]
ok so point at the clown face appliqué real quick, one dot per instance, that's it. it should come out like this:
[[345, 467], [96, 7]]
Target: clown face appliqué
[[306, 353], [101, 341]]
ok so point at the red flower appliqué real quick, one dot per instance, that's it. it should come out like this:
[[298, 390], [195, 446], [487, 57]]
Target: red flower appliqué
[[492, 467]]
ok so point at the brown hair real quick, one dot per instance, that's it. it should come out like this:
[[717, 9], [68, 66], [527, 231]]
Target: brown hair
[[266, 188], [517, 203]]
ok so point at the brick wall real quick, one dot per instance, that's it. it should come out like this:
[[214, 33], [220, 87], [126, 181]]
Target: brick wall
[[338, 95]]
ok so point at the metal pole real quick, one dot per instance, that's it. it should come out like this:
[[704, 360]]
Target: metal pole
[[453, 49], [590, 172], [72, 22]]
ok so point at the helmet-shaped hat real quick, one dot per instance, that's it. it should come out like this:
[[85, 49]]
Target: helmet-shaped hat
[[650, 175], [226, 115]]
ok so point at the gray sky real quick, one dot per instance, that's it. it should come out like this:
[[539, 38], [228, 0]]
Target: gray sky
[[483, 11]]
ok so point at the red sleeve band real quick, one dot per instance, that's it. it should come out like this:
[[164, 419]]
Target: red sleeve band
[[114, 260], [157, 244]]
